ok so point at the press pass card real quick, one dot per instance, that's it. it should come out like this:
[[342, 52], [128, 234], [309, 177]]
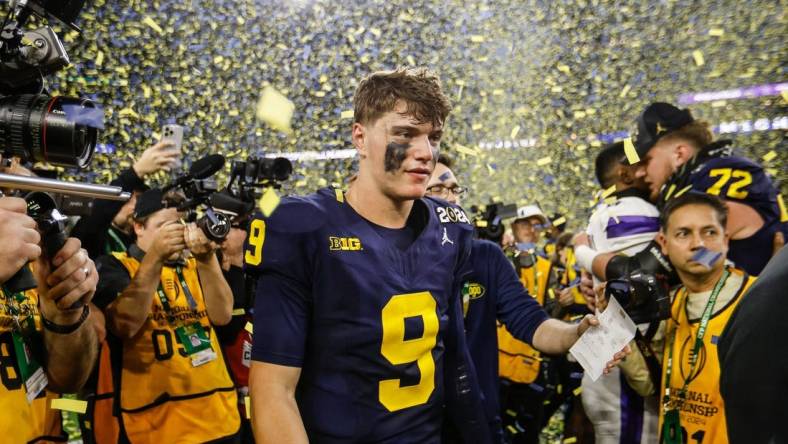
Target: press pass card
[[598, 344]]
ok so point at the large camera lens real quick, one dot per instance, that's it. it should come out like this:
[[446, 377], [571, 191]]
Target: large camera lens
[[36, 127]]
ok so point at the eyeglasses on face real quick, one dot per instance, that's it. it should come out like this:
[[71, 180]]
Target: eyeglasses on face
[[441, 190]]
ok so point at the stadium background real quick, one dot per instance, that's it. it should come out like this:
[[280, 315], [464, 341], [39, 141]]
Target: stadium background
[[537, 86]]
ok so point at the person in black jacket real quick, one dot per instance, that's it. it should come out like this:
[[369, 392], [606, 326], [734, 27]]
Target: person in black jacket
[[108, 228]]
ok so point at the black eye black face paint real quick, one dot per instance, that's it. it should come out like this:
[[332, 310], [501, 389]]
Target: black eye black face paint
[[395, 155]]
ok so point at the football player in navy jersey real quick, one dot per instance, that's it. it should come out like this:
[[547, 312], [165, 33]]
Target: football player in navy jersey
[[493, 292], [358, 324], [678, 156]]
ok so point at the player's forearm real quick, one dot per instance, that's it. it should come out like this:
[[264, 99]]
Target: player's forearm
[[555, 337], [70, 357], [127, 314], [217, 292], [275, 415]]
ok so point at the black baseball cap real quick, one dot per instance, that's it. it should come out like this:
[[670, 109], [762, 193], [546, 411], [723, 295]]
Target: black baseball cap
[[657, 120], [149, 202]]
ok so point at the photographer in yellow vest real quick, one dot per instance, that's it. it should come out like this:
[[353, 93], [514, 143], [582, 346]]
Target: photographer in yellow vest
[[161, 298], [47, 342], [693, 235]]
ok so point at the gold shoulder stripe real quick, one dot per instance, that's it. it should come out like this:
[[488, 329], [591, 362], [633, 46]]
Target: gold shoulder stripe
[[340, 195]]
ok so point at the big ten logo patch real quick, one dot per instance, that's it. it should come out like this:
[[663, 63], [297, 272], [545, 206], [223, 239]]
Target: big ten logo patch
[[344, 244], [451, 215]]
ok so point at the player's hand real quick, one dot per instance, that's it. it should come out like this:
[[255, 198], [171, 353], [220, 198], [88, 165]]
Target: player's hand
[[565, 297], [601, 299], [169, 240], [587, 289], [66, 285], [198, 243], [18, 235], [591, 321], [160, 156]]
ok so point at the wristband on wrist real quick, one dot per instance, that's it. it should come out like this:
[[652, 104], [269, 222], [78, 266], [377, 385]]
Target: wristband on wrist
[[585, 256], [66, 329]]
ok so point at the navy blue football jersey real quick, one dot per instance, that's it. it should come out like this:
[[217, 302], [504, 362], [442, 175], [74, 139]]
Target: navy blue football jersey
[[365, 320], [491, 293], [716, 170]]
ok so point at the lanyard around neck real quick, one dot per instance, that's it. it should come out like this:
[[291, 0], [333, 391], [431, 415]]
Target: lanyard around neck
[[165, 301], [704, 322]]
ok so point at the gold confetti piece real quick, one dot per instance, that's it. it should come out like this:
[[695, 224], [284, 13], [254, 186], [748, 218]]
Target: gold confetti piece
[[624, 91], [768, 157], [563, 68], [577, 391], [630, 151], [570, 440], [544, 161], [481, 223], [477, 38], [551, 293], [275, 109], [771, 171], [69, 405], [248, 407], [697, 55], [467, 151], [609, 191], [348, 114], [716, 32], [784, 95], [610, 200], [270, 201], [153, 25], [411, 60], [239, 312], [99, 58], [249, 327], [559, 221], [514, 132]]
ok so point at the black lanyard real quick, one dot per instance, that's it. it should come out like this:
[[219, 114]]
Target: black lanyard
[[704, 322], [166, 303]]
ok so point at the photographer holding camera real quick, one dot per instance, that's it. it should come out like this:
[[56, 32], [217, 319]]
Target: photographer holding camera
[[45, 344], [161, 304], [693, 236], [109, 228]]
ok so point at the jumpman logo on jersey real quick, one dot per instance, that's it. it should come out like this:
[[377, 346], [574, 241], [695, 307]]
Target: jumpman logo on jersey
[[446, 238]]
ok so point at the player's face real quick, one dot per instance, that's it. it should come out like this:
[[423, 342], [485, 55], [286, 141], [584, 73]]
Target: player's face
[[443, 184], [690, 228], [526, 230], [657, 166], [400, 153]]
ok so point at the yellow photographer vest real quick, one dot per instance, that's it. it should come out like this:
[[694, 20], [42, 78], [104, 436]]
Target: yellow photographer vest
[[702, 413], [518, 361], [163, 398], [21, 421]]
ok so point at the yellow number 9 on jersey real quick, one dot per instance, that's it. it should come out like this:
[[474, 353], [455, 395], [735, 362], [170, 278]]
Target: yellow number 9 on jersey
[[254, 255], [399, 350]]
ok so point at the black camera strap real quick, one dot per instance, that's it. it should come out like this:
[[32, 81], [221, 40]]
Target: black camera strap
[[644, 345]]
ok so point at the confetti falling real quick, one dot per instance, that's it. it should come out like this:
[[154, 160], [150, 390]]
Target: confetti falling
[[529, 80]]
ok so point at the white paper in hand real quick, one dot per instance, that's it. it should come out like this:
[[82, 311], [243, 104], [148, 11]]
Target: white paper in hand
[[598, 344]]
